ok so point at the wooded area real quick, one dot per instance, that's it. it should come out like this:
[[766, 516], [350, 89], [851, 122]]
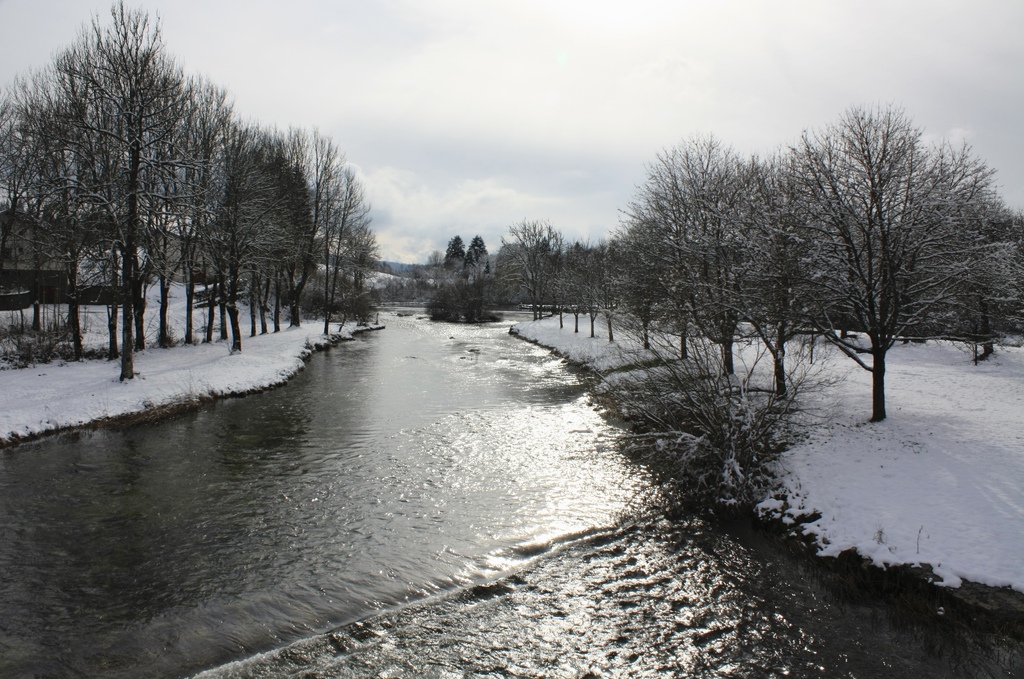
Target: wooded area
[[860, 233], [120, 170]]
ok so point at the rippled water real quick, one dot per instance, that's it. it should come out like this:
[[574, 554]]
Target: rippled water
[[411, 461], [258, 538]]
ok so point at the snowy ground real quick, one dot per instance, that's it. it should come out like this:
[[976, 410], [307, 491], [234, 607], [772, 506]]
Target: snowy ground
[[939, 483], [61, 395]]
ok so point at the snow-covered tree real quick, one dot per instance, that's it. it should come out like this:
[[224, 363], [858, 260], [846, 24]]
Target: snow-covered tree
[[688, 211], [887, 220], [124, 95], [776, 260], [532, 253], [207, 120]]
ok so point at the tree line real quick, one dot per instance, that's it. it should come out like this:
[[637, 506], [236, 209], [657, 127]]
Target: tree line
[[463, 282], [124, 170], [860, 233]]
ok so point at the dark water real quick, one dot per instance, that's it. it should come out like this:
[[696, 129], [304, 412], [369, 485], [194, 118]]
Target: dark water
[[421, 460]]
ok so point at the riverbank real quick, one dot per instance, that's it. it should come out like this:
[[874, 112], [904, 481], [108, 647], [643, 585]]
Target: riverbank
[[53, 397], [938, 487]]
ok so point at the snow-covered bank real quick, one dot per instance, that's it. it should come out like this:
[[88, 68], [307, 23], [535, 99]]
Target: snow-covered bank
[[940, 483], [52, 397], [56, 396]]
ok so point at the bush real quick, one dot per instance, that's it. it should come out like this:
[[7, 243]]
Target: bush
[[350, 302], [23, 348], [462, 300], [712, 439]]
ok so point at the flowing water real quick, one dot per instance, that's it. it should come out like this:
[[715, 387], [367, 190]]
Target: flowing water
[[411, 461], [425, 459]]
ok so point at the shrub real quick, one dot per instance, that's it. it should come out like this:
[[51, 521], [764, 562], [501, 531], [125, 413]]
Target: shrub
[[712, 439]]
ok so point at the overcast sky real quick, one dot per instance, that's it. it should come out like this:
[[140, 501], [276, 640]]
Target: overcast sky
[[465, 116]]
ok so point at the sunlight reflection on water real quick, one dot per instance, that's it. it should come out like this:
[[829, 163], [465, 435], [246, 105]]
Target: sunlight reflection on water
[[409, 462]]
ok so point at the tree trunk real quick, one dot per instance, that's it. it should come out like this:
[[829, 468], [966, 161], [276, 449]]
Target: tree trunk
[[327, 283], [112, 352], [236, 329], [252, 309], [37, 306], [779, 355], [211, 310], [877, 384], [127, 313], [611, 334], [74, 316], [127, 341], [264, 295], [75, 325], [222, 299], [139, 302], [728, 366], [296, 301], [190, 299], [164, 339], [277, 306], [987, 344]]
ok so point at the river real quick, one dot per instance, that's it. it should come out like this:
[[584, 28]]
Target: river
[[424, 460]]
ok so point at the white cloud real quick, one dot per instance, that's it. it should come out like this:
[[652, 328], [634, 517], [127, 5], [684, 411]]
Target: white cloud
[[421, 218]]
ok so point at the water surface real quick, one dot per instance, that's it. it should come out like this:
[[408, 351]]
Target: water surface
[[409, 462], [260, 537]]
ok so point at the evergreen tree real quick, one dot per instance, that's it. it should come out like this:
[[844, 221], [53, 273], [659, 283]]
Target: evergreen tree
[[456, 252], [476, 252]]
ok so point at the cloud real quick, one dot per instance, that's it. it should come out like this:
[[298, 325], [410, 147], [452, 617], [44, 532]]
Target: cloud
[[421, 218], [468, 116]]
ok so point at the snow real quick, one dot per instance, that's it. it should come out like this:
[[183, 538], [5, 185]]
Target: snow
[[378, 279], [939, 483], [580, 348], [55, 396]]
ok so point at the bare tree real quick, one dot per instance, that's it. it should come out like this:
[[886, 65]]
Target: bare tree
[[16, 158], [777, 253], [532, 250], [593, 281], [642, 278], [688, 210], [128, 93], [572, 280], [349, 245], [207, 120], [298, 213], [61, 178], [988, 298], [240, 237], [885, 220]]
